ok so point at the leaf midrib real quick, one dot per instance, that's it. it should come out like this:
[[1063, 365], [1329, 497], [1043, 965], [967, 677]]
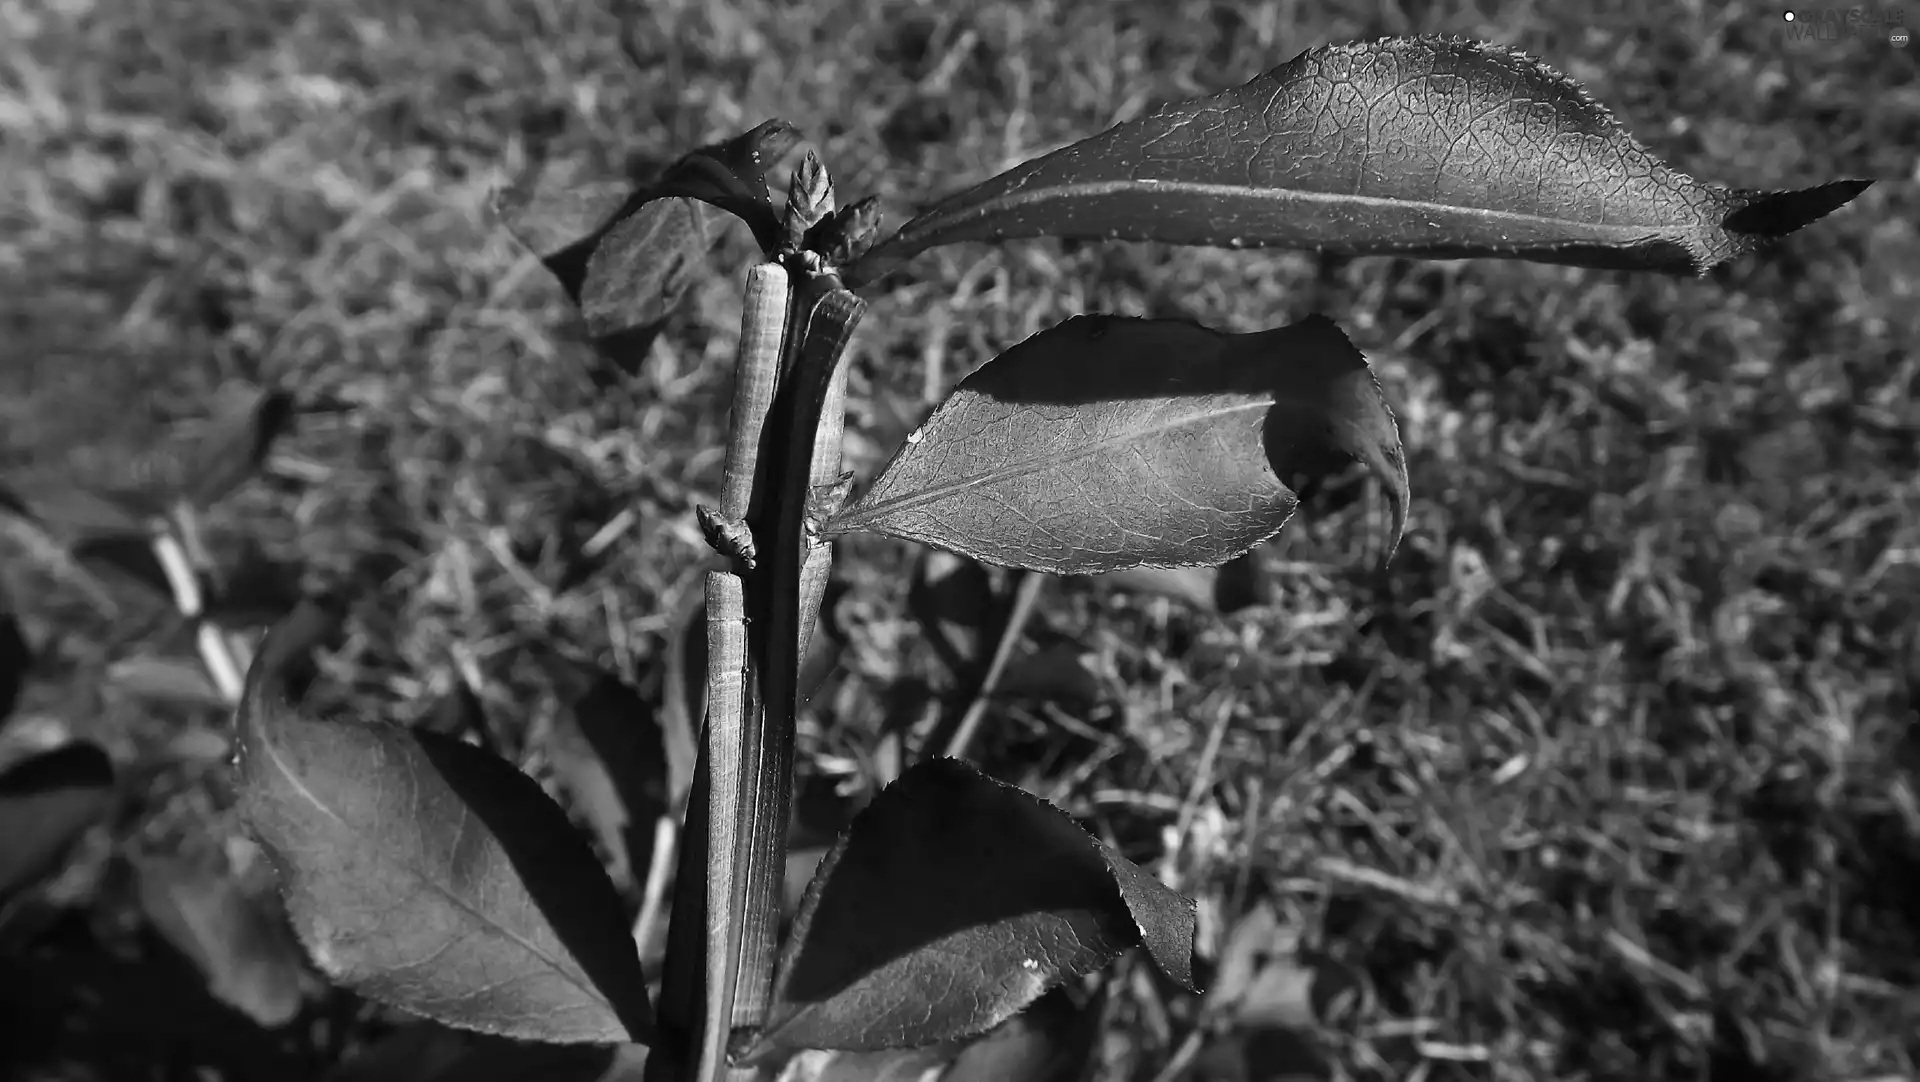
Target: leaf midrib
[[1026, 197], [858, 516], [412, 867]]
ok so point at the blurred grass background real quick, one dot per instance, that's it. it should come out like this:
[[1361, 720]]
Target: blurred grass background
[[1613, 776]]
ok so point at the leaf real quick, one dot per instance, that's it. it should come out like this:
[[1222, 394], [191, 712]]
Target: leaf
[[1278, 997], [640, 271], [953, 599], [169, 680], [950, 903], [244, 950], [416, 1052], [560, 219], [430, 875], [607, 749], [884, 1065], [1106, 442], [426, 1052], [1427, 146], [46, 802], [732, 175], [1223, 590], [1051, 1041], [235, 442], [16, 662], [254, 592], [123, 1018], [458, 713]]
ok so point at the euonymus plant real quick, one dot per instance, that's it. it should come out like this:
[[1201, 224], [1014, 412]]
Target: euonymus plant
[[430, 875]]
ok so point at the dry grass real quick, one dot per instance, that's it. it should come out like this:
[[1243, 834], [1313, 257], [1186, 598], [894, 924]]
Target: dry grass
[[1612, 777]]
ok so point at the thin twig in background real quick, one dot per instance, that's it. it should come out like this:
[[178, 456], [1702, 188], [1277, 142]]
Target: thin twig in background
[[1025, 594]]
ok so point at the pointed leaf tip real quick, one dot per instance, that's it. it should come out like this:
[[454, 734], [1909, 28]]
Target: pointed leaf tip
[[1107, 443], [1775, 214], [952, 902], [1423, 146]]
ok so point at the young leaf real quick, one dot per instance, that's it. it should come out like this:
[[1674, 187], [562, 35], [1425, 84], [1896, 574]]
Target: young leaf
[[561, 221], [607, 749], [732, 176], [1427, 146], [46, 802], [1106, 443], [952, 902], [640, 270], [249, 960], [432, 876]]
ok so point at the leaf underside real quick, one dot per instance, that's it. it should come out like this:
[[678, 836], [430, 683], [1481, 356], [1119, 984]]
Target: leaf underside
[[1107, 443], [429, 875], [1422, 146], [952, 902]]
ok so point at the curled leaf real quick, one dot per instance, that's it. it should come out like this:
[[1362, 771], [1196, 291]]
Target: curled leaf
[[1423, 146], [1106, 443], [430, 875], [952, 902], [732, 175]]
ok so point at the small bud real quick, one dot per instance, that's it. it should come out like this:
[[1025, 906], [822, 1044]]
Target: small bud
[[848, 234], [825, 501], [734, 540], [809, 199]]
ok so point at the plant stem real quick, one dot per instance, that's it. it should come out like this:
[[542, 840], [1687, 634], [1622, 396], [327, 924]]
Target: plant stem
[[696, 1001], [783, 594]]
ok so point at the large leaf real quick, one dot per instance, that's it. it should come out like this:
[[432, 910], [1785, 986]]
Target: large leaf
[[46, 802], [952, 902], [1106, 443], [432, 876], [1423, 146]]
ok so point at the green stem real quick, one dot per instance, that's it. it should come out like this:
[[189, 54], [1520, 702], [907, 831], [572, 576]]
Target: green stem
[[777, 605]]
